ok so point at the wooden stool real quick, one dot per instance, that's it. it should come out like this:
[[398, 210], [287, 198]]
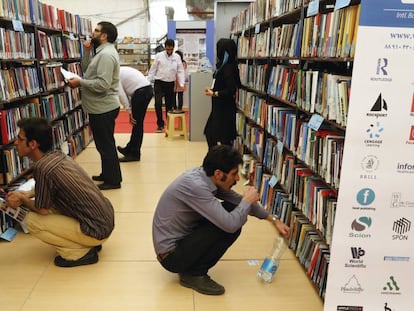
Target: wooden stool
[[181, 129]]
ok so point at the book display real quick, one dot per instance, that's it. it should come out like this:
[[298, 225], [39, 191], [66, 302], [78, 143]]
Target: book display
[[135, 52], [296, 61], [37, 40]]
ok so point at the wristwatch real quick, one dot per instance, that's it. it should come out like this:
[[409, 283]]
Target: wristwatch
[[274, 218]]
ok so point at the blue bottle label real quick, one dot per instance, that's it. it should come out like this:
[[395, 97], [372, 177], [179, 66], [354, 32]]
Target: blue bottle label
[[269, 265]]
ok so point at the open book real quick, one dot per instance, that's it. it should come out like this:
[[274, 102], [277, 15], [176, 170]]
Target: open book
[[67, 75]]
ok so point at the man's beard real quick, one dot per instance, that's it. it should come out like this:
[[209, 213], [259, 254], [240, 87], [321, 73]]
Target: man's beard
[[96, 41]]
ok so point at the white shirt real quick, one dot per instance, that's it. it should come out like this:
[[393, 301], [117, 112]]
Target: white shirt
[[130, 80], [167, 68]]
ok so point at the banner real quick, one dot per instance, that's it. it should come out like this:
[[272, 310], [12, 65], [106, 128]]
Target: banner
[[371, 263]]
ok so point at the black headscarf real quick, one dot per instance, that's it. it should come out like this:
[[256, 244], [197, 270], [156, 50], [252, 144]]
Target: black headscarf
[[227, 54]]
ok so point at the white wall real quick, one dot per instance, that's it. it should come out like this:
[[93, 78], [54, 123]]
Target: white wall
[[119, 10]]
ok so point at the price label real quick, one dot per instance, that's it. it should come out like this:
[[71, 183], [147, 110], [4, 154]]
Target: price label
[[313, 8], [339, 4], [315, 122], [17, 25]]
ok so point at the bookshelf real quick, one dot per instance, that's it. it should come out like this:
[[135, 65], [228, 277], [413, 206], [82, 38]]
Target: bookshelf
[[295, 64], [36, 41], [135, 52]]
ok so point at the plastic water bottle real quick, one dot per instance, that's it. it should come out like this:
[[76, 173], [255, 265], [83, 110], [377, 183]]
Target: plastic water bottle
[[271, 263]]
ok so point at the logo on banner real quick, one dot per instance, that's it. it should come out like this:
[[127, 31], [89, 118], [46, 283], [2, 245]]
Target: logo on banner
[[364, 198], [374, 132], [410, 140], [352, 286], [379, 109], [391, 287], [381, 73], [356, 261], [401, 227], [369, 164], [360, 225], [405, 168], [397, 201]]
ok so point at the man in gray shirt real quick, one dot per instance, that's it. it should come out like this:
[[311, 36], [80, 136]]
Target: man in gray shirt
[[100, 99], [192, 229]]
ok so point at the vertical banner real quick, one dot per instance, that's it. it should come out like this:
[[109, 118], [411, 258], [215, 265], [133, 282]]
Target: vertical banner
[[371, 264]]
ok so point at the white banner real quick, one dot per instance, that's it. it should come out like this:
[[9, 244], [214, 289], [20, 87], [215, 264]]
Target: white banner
[[371, 263]]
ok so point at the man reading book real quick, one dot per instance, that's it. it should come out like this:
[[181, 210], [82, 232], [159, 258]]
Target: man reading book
[[68, 211], [192, 229]]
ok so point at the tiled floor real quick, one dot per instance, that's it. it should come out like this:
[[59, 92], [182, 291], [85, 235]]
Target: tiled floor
[[128, 277]]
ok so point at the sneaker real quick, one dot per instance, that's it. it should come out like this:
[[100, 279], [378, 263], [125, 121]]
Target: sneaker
[[97, 178], [202, 284], [129, 158], [106, 186], [160, 129], [122, 150], [90, 258]]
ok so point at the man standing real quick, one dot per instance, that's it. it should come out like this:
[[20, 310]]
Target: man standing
[[167, 67], [68, 211], [135, 93], [100, 99], [192, 229]]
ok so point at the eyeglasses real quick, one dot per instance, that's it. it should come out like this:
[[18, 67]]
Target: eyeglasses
[[21, 138]]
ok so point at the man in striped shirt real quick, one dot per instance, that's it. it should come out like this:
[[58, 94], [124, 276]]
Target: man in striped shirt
[[68, 211]]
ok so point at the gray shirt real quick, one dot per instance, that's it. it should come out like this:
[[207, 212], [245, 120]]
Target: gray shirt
[[101, 79], [191, 197]]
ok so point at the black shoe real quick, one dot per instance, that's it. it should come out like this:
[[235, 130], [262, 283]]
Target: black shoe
[[98, 248], [97, 178], [90, 258], [160, 129], [202, 284], [129, 158], [106, 186], [122, 150]]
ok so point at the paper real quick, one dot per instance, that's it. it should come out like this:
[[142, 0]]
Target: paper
[[67, 75]]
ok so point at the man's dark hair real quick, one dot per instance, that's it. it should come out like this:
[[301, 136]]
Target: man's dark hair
[[38, 129], [223, 158], [169, 42], [110, 30]]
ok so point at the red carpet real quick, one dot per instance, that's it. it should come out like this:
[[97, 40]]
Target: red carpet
[[122, 124]]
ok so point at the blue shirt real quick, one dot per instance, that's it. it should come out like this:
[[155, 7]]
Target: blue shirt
[[191, 197]]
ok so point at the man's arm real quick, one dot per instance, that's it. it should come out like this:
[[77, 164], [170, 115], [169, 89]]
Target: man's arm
[[18, 198]]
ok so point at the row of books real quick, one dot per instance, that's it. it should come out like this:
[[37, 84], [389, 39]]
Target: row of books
[[51, 77], [251, 105], [332, 34], [321, 150], [65, 127], [45, 15], [254, 76], [78, 141], [70, 129], [313, 91], [52, 106], [256, 46], [16, 44], [311, 250], [263, 10], [18, 82]]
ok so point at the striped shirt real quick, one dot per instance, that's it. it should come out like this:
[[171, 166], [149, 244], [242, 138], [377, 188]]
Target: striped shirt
[[61, 184]]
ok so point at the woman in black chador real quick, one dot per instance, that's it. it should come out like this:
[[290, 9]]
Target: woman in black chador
[[221, 124]]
